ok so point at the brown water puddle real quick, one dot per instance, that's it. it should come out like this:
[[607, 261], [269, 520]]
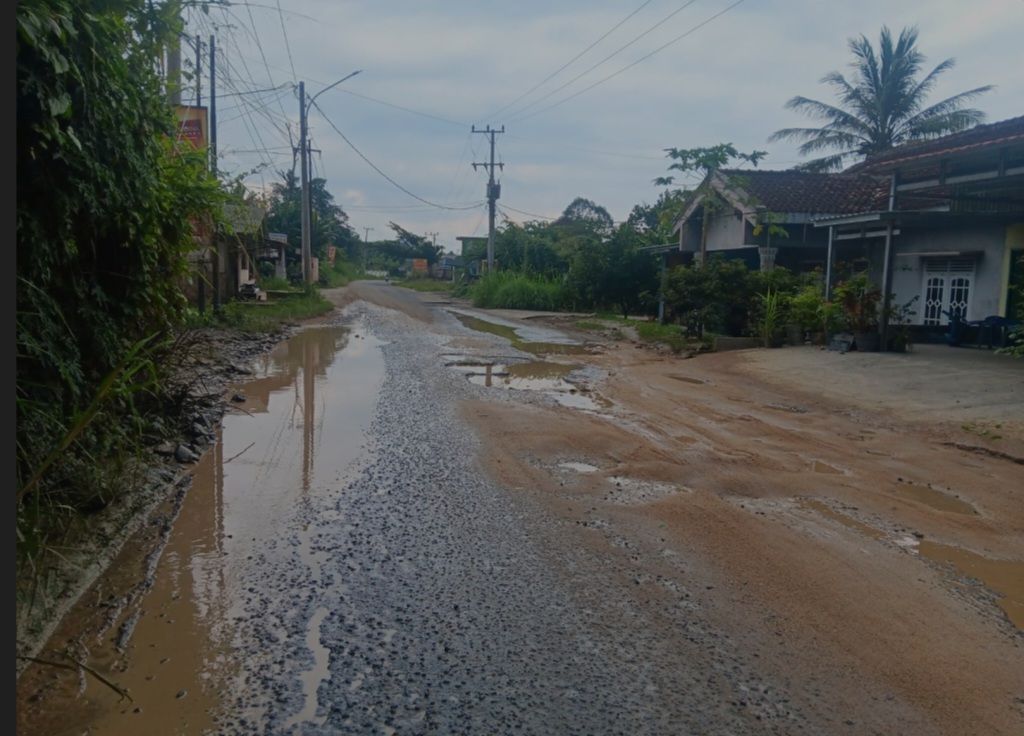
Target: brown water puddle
[[1005, 577], [176, 633], [819, 467], [175, 645], [813, 504], [518, 341], [687, 379], [934, 498]]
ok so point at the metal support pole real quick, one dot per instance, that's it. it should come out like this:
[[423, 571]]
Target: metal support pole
[[828, 264], [886, 288], [661, 291]]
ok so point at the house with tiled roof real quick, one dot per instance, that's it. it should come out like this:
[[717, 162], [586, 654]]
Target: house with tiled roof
[[950, 230], [940, 220], [741, 201]]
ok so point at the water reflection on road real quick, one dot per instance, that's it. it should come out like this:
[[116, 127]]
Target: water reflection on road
[[300, 428]]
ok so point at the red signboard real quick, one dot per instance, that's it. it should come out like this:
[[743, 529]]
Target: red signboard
[[192, 121]]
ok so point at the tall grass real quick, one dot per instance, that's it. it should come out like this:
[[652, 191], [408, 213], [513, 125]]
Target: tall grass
[[509, 290]]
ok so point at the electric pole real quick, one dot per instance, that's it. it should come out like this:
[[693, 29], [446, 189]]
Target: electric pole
[[493, 192], [213, 163], [306, 249], [366, 243], [307, 256], [433, 237]]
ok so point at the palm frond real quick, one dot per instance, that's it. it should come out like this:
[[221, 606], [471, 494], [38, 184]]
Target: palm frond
[[825, 164], [881, 104]]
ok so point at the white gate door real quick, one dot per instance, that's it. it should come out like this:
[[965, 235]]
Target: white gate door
[[947, 288]]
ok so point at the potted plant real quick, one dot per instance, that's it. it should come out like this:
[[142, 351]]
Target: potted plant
[[899, 321], [859, 299]]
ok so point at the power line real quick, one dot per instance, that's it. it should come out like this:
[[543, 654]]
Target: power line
[[374, 167], [531, 214], [586, 150], [566, 64], [286, 86], [642, 58], [613, 54], [405, 109], [284, 31]]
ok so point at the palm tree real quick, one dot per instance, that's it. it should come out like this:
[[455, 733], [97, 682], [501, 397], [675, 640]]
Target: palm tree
[[881, 106]]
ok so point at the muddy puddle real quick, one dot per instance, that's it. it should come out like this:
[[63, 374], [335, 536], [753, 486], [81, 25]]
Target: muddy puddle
[[688, 379], [167, 638], [1004, 577], [817, 466], [579, 467], [536, 375], [530, 339], [822, 508], [934, 498]]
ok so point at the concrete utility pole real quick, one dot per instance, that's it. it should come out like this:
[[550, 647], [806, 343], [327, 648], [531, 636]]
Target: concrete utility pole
[[213, 163], [366, 242], [433, 237], [493, 192], [306, 250], [307, 256]]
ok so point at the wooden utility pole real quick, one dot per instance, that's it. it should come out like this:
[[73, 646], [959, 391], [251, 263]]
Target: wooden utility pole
[[493, 192]]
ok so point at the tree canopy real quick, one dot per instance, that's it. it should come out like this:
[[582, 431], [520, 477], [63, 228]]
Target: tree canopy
[[329, 221], [882, 105]]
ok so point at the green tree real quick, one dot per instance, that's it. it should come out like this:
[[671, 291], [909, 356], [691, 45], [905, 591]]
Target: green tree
[[655, 220], [328, 220], [614, 274], [529, 248], [587, 215], [883, 104]]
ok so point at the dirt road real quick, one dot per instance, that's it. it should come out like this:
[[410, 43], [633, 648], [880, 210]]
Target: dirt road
[[842, 507], [760, 541], [825, 496]]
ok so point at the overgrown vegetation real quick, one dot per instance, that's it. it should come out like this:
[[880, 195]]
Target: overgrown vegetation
[[511, 290], [106, 202], [427, 285]]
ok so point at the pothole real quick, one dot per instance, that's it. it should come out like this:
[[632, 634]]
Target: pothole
[[1005, 577], [579, 467], [821, 467], [934, 498], [687, 379], [822, 508], [629, 491], [539, 376]]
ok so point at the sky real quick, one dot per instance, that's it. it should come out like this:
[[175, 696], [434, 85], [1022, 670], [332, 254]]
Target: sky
[[589, 93]]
